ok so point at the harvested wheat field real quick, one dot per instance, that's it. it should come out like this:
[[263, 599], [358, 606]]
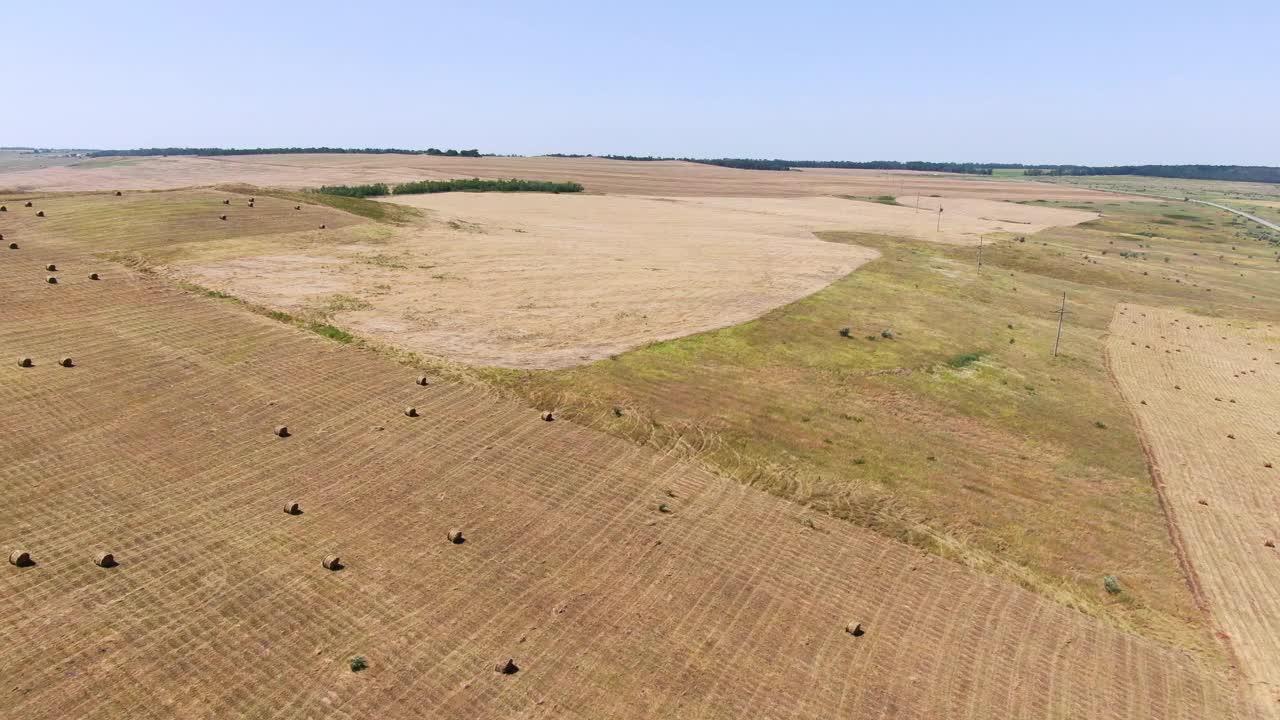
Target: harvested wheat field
[[597, 174], [1207, 395], [523, 281], [620, 582]]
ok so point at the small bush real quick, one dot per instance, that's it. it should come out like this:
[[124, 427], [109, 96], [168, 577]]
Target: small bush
[[1111, 584], [844, 332], [964, 360], [886, 334], [1100, 425], [358, 663], [331, 332], [859, 461]]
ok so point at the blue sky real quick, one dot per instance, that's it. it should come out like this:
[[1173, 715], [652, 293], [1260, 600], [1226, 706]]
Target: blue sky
[[1080, 82]]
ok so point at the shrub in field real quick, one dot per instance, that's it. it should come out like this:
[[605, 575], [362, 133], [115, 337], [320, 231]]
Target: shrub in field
[[358, 663], [1111, 584]]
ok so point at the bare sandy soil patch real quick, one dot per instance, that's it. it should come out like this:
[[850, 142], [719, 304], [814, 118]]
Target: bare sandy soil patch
[[544, 281], [1207, 395], [598, 175], [157, 445]]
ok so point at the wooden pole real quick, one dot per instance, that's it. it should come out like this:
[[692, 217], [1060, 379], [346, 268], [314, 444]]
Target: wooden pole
[[939, 218], [1062, 313]]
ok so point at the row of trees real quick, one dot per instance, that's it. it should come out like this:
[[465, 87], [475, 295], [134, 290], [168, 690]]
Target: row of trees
[[458, 185], [139, 152], [1243, 173]]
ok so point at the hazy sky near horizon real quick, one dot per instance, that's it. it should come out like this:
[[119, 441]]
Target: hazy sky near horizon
[[1082, 82]]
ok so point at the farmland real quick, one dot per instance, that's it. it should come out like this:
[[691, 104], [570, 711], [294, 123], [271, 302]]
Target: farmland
[[780, 413]]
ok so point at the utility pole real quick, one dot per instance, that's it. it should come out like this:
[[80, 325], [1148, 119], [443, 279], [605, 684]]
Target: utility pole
[[1061, 313], [979, 252], [939, 218], [917, 201]]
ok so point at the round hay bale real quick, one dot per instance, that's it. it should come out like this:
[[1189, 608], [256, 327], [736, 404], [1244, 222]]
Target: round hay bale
[[282, 431], [331, 562], [297, 207], [3, 208], [93, 276], [455, 537], [548, 415], [13, 246], [24, 362], [507, 667], [118, 193], [66, 362], [321, 227], [51, 267], [422, 380], [411, 411], [39, 213], [226, 202], [28, 204], [104, 559], [51, 280], [252, 199], [1266, 543], [20, 558], [855, 629], [292, 508]]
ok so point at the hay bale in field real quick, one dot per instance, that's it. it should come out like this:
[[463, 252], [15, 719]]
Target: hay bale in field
[[455, 537], [28, 204], [51, 267], [226, 202], [118, 193], [321, 227], [51, 280], [548, 415], [282, 431], [252, 199], [292, 508], [222, 217], [411, 411], [1202, 501], [13, 246], [93, 276], [104, 559], [20, 558], [24, 362], [422, 380], [331, 562], [297, 207], [855, 629], [3, 208], [39, 213], [66, 362], [1266, 543], [507, 667]]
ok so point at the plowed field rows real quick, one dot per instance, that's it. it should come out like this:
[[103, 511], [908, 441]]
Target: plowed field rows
[[157, 445], [1207, 394]]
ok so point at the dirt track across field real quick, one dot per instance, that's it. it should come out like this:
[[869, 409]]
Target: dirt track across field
[[598, 175], [157, 445], [1207, 394]]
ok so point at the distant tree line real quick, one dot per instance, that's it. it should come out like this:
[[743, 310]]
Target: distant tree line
[[283, 151], [458, 185], [1242, 173]]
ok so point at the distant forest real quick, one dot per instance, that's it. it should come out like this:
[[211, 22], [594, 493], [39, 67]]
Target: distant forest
[[283, 151], [1245, 173]]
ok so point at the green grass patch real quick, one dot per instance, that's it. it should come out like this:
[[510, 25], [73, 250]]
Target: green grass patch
[[964, 359]]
